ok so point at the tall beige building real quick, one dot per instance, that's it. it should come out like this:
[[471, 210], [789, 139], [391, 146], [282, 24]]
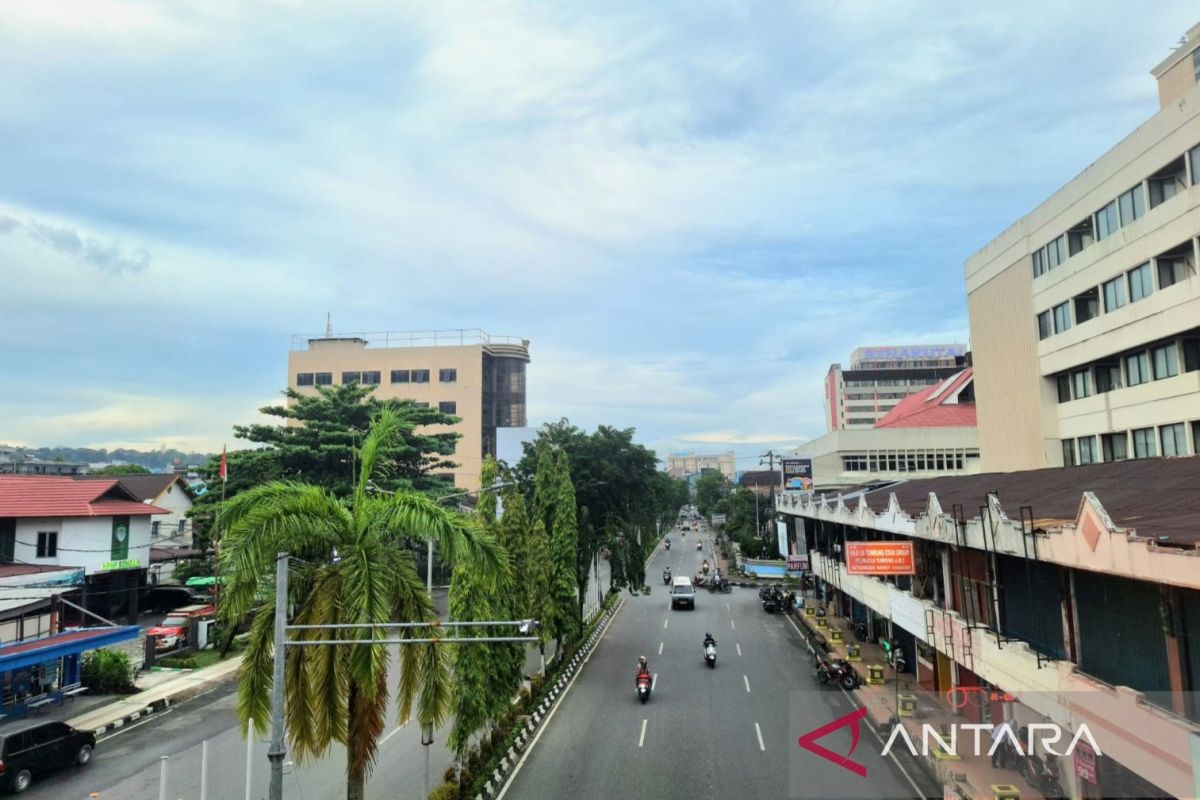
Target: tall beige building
[[680, 465], [1085, 313], [467, 373]]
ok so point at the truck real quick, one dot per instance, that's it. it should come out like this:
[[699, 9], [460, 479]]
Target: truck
[[172, 632]]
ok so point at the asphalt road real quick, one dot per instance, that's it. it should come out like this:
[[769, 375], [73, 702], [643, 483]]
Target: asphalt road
[[710, 733]]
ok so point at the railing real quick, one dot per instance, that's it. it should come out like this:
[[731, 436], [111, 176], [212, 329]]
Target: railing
[[450, 337]]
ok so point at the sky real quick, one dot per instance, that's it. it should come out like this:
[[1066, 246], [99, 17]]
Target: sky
[[691, 209]]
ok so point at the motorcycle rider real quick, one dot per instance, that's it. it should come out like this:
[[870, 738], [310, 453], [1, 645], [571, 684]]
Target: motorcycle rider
[[643, 668], [667, 575], [708, 639]]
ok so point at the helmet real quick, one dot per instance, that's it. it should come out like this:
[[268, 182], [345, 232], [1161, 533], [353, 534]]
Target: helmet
[[641, 659], [707, 635]]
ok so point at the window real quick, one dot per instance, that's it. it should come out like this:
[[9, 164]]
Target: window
[[448, 407], [1196, 65], [1174, 439], [447, 375], [1114, 294], [1132, 205], [1080, 385], [324, 379], [1106, 221], [154, 529], [47, 544], [371, 378], [1068, 448], [1194, 157], [1087, 306], [1166, 361], [420, 405], [420, 376], [1191, 355], [351, 377], [1087, 450], [1056, 252], [1062, 317], [1174, 265], [1108, 377], [1045, 327], [1141, 283], [304, 379], [1064, 388], [1080, 236], [1115, 446], [399, 376], [1167, 182], [1137, 369], [1144, 445], [1039, 262]]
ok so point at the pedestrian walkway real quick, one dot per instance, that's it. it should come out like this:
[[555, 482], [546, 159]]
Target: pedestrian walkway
[[969, 775]]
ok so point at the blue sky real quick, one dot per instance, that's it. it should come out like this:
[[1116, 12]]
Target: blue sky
[[690, 209]]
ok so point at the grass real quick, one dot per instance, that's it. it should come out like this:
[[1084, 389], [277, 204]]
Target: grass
[[197, 659]]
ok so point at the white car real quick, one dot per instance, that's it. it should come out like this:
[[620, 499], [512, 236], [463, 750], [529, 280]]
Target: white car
[[682, 592]]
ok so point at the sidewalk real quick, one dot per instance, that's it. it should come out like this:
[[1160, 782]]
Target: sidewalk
[[969, 775]]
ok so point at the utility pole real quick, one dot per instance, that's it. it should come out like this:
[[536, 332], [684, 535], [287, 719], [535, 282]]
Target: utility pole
[[276, 753]]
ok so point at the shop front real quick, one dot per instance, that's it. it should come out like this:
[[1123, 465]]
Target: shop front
[[42, 671]]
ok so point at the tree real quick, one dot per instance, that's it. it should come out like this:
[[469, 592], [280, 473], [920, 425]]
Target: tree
[[120, 469], [711, 486], [564, 545], [347, 569], [537, 583]]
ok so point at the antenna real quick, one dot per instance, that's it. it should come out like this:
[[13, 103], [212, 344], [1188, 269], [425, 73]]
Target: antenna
[[328, 325]]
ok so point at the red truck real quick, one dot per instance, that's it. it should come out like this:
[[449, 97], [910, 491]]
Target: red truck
[[173, 631]]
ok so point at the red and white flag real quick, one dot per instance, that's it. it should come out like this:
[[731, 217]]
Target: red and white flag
[[224, 465]]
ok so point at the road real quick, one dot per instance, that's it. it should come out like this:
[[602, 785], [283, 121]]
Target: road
[[713, 733]]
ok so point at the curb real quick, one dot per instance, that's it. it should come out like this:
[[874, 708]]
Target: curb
[[153, 708], [185, 692]]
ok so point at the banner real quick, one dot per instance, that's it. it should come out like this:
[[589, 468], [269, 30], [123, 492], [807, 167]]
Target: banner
[[880, 558], [797, 563], [781, 530], [798, 473]]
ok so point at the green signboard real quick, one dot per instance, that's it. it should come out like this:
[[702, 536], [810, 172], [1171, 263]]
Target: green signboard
[[124, 563], [120, 539]]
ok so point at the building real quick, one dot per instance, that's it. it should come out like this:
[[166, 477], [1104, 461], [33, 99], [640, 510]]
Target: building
[[1085, 313], [764, 482], [680, 465], [1061, 595], [168, 491], [926, 434], [880, 377], [476, 377], [16, 462]]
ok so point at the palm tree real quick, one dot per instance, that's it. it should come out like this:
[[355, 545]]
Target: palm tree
[[349, 567]]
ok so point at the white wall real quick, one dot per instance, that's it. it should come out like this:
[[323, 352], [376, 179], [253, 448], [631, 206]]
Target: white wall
[[82, 541], [175, 500]]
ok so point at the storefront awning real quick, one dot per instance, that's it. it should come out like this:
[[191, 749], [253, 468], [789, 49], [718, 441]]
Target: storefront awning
[[26, 654]]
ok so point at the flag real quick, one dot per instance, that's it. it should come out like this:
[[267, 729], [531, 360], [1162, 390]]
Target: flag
[[224, 466]]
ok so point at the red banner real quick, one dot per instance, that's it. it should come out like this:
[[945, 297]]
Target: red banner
[[880, 558]]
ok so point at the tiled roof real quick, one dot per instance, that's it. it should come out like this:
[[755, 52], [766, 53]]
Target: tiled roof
[[759, 477], [931, 407], [143, 487], [62, 496]]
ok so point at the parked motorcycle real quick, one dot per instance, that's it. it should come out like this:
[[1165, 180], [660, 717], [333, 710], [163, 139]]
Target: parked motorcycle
[[720, 584], [1042, 773], [643, 686], [895, 655], [837, 670], [860, 631], [710, 655], [701, 581]]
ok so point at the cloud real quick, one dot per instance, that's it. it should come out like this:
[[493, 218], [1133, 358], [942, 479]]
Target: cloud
[[107, 256]]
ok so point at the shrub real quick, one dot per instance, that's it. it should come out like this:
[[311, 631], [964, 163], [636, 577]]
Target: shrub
[[535, 685], [179, 662], [450, 775], [108, 672], [447, 791]]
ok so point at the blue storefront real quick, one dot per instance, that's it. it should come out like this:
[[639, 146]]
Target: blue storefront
[[34, 673]]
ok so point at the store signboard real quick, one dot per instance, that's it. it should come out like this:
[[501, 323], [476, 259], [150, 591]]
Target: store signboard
[[880, 558]]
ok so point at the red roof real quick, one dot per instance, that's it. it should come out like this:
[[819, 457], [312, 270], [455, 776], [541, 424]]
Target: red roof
[[62, 496], [938, 406]]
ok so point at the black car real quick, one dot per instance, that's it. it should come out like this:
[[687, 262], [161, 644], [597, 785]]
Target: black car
[[163, 599], [29, 747]]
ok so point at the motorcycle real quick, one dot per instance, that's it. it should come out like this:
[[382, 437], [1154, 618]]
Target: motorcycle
[[710, 655], [701, 581], [668, 544], [719, 584], [667, 577], [643, 686], [699, 545], [860, 631], [837, 670], [895, 657]]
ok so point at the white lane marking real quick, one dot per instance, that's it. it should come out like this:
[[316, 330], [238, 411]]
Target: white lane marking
[[128, 728], [739, 647], [666, 622], [727, 608], [660, 647], [654, 682], [849, 696], [731, 625], [758, 731], [557, 705], [393, 733], [642, 737], [747, 680]]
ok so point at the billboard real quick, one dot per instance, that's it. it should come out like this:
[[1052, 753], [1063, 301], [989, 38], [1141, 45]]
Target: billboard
[[718, 519], [880, 558], [798, 473]]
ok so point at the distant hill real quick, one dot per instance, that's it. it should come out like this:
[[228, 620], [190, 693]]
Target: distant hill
[[155, 460]]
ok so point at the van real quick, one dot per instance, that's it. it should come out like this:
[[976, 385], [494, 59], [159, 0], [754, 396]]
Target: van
[[30, 747], [683, 593]]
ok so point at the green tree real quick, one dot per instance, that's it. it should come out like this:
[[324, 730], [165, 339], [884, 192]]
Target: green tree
[[711, 486], [120, 469], [537, 582], [564, 544], [347, 569]]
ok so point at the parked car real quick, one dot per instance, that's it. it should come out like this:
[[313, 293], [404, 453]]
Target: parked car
[[162, 599], [173, 631], [31, 747]]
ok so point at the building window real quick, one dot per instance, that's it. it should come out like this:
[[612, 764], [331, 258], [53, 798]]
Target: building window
[[1045, 326], [1062, 317], [1141, 282], [1137, 369], [1167, 182], [1039, 261], [1166, 361], [1174, 266], [448, 407], [399, 376], [1114, 294], [324, 379], [304, 379], [1087, 450], [1132, 205], [1108, 377], [1087, 306], [1115, 446], [1106, 221], [1068, 448], [351, 377], [1194, 157], [1080, 236], [1080, 385], [1064, 388], [420, 376], [420, 405], [447, 375], [1056, 253], [1196, 65], [1191, 355], [1143, 443], [47, 544], [1174, 439], [371, 378]]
